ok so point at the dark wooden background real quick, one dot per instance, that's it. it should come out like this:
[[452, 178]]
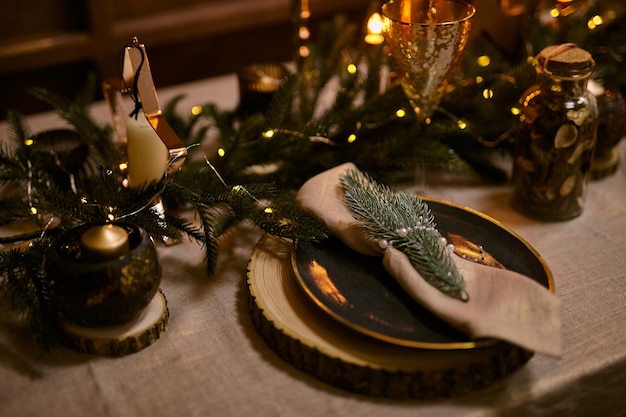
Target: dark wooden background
[[56, 43]]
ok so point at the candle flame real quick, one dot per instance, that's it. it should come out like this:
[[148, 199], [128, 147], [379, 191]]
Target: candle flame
[[375, 27], [375, 24]]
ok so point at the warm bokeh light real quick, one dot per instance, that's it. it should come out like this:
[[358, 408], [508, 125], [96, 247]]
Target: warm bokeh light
[[595, 22], [304, 33], [304, 51], [483, 61]]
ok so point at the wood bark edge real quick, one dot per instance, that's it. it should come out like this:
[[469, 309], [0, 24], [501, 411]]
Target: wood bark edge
[[108, 345]]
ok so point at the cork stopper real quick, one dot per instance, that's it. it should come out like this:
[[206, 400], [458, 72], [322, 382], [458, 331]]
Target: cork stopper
[[565, 60]]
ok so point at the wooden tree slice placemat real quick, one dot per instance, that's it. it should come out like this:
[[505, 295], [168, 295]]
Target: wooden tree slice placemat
[[121, 339], [304, 336]]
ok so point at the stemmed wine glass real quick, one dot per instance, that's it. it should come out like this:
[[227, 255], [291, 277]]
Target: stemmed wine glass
[[425, 41]]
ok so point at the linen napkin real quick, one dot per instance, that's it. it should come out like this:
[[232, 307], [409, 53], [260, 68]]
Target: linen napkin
[[503, 304]]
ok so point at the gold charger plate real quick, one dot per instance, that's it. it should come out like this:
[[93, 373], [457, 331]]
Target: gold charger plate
[[314, 342], [358, 292]]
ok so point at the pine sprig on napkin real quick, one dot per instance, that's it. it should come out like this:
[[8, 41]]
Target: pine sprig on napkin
[[404, 220]]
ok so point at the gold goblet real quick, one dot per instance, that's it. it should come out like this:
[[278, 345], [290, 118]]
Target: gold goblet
[[425, 41]]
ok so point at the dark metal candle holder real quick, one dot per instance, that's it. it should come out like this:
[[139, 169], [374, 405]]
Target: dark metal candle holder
[[103, 293]]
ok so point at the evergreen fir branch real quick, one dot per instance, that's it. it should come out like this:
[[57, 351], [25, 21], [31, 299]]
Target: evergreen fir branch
[[12, 209], [336, 40], [221, 120], [18, 129], [404, 221], [288, 220], [10, 167], [343, 104], [19, 159], [243, 199], [251, 128], [188, 127], [199, 191], [76, 113], [327, 59], [184, 227], [211, 245], [279, 108], [183, 126], [375, 64], [68, 207], [23, 281], [224, 222]]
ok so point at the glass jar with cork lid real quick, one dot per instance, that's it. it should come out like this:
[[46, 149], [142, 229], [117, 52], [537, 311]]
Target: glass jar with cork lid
[[556, 136]]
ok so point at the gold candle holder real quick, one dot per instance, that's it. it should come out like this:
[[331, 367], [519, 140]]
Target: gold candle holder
[[257, 85]]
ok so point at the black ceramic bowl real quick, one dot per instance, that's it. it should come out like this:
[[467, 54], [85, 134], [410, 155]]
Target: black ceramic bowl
[[102, 293]]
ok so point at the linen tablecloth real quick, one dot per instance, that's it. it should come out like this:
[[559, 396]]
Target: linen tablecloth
[[211, 361]]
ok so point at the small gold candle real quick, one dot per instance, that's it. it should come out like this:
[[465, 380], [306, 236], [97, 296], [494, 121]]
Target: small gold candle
[[105, 242]]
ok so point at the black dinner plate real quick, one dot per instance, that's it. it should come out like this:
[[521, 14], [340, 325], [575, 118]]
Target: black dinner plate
[[357, 291]]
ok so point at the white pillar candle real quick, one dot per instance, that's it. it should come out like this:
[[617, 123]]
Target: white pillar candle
[[147, 154]]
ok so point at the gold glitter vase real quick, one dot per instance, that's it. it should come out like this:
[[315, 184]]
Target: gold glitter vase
[[425, 40]]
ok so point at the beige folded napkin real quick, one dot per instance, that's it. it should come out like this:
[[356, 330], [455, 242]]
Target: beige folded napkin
[[503, 304]]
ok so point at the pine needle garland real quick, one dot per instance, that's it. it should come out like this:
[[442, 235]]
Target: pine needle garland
[[404, 221], [29, 292], [99, 195]]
